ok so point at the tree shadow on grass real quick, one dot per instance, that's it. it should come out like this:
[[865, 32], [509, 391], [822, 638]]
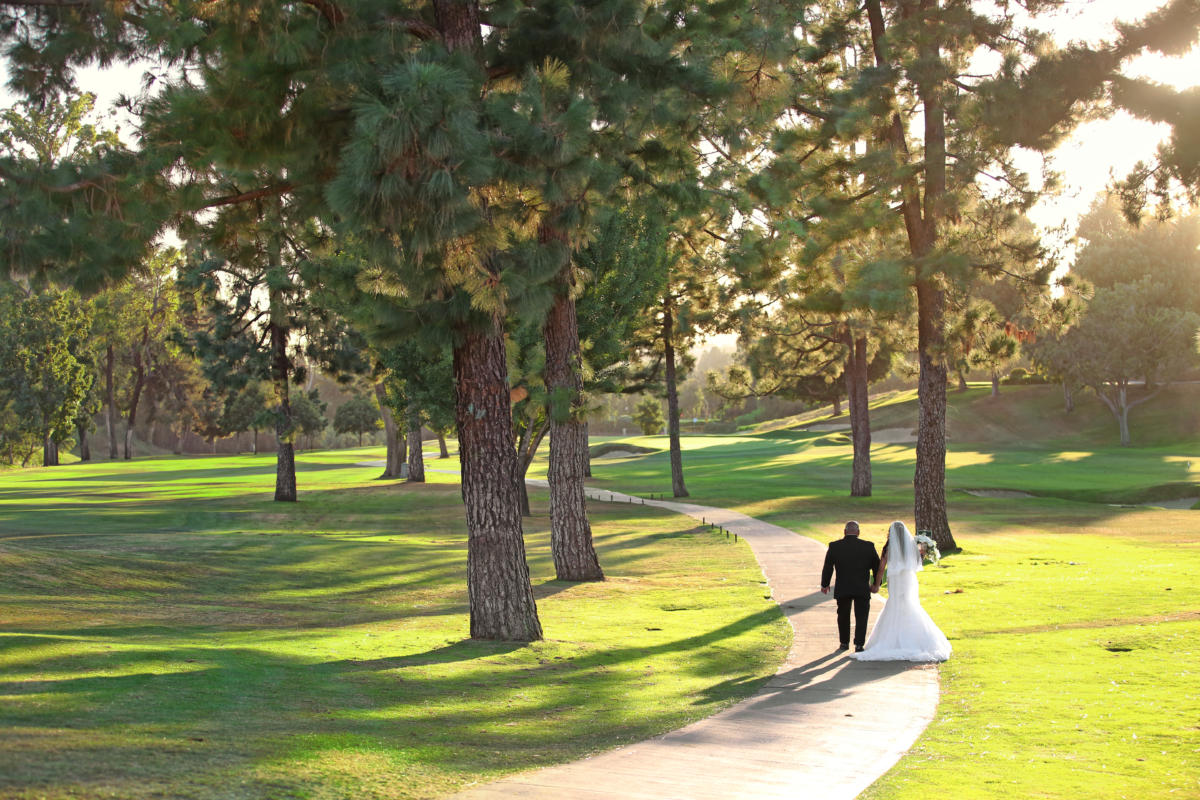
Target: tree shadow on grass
[[209, 715]]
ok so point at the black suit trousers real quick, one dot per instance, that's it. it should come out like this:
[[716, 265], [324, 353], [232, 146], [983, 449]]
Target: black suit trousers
[[862, 607]]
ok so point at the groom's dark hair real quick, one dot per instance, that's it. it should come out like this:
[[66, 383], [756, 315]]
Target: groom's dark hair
[[851, 528]]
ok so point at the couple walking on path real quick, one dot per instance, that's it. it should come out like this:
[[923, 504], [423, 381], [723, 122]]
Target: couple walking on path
[[903, 631]]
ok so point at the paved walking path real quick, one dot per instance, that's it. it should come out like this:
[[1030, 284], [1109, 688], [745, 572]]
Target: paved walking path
[[825, 727]]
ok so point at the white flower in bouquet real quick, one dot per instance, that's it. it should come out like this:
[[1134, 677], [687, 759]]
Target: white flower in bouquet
[[928, 547]]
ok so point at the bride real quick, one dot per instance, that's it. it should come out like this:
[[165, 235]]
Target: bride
[[903, 632]]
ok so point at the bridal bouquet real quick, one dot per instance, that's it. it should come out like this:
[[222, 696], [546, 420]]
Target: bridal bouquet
[[928, 547]]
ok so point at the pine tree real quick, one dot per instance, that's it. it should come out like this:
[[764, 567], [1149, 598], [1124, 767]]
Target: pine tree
[[885, 120], [250, 274], [438, 146]]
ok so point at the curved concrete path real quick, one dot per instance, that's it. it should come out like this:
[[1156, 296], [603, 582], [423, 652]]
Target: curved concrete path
[[824, 727]]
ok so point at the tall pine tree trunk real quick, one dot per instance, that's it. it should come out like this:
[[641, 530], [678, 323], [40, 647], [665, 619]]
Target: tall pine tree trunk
[[527, 445], [443, 451], [285, 433], [522, 468], [587, 452], [416, 455], [570, 532], [49, 451], [668, 332], [499, 591], [836, 406], [391, 468], [860, 415], [110, 402], [139, 382], [921, 219], [995, 383], [1068, 397], [929, 479], [85, 451]]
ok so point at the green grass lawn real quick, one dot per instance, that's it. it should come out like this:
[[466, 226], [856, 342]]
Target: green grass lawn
[[1075, 625], [166, 630]]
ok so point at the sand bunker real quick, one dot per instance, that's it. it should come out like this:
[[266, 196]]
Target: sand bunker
[[893, 436], [826, 427], [617, 454], [1182, 502]]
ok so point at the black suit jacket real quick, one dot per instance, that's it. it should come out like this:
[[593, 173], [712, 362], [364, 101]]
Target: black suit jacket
[[856, 564]]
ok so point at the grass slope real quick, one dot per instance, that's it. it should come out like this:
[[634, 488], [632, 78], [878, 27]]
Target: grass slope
[[169, 631], [1028, 415], [1076, 625]]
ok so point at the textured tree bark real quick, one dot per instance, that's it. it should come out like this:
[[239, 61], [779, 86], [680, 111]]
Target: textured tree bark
[[499, 592], [921, 216], [677, 486], [458, 22], [570, 532], [110, 416], [285, 434], [391, 468], [860, 416], [1068, 397], [49, 452], [995, 383], [416, 455], [836, 406], [587, 452], [443, 451], [85, 451], [929, 478]]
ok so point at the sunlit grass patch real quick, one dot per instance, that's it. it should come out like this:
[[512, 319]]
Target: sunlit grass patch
[[196, 641]]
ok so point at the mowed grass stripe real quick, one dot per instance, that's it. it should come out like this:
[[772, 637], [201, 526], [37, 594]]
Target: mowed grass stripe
[[207, 642]]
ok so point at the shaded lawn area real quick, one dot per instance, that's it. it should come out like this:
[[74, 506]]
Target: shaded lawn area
[[190, 638], [1075, 625]]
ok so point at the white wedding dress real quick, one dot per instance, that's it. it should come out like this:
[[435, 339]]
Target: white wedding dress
[[903, 631]]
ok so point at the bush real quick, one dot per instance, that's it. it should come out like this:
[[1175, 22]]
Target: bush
[[748, 419], [1023, 377], [649, 416]]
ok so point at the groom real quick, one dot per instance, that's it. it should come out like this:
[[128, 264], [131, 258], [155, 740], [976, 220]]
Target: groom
[[857, 565]]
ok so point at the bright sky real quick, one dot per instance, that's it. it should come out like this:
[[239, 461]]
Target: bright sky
[[1101, 150]]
